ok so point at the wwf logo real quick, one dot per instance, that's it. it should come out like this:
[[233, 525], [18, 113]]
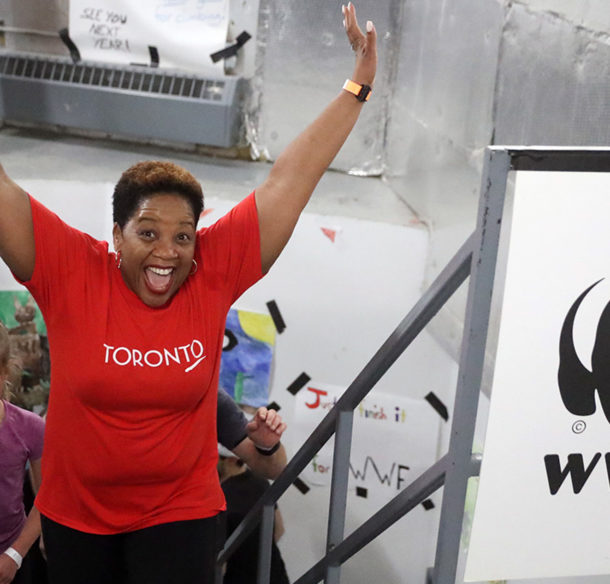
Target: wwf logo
[[577, 385]]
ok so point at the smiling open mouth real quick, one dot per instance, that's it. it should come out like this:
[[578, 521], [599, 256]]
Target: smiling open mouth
[[159, 279]]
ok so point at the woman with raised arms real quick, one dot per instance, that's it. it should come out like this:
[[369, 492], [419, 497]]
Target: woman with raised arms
[[129, 485]]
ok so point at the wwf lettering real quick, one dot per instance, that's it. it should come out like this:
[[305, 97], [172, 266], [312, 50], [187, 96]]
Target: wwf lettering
[[392, 478], [575, 468], [386, 478], [190, 355]]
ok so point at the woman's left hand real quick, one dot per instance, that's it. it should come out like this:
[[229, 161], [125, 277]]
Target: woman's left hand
[[266, 428], [364, 45]]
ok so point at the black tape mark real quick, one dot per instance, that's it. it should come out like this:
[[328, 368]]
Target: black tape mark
[[231, 51], [362, 492], [274, 406], [299, 484], [438, 405], [232, 341], [154, 56], [428, 504], [153, 52], [298, 383], [74, 52], [274, 311]]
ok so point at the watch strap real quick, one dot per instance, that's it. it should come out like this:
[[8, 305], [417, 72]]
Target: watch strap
[[268, 451], [362, 92]]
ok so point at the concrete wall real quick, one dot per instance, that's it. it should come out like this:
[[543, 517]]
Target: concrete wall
[[475, 73]]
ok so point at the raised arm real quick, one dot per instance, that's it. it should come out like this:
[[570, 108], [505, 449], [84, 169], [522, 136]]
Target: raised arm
[[296, 172], [16, 229]]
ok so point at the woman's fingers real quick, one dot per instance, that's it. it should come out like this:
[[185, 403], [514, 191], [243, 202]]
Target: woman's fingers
[[354, 34]]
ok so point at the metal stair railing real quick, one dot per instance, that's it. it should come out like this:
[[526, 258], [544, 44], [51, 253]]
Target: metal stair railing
[[476, 258], [339, 421]]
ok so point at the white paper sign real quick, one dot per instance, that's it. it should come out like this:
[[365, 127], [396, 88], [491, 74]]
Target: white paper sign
[[544, 495], [394, 440], [184, 32]]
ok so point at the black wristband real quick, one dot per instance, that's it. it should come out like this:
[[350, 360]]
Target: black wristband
[[269, 452]]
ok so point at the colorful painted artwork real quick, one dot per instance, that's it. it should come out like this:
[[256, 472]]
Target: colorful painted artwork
[[27, 333], [247, 357]]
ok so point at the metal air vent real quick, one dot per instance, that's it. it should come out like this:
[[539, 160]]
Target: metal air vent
[[126, 100]]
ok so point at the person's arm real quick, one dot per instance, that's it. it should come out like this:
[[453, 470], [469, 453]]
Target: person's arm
[[16, 228], [296, 172], [35, 474], [29, 534], [265, 431], [35, 481], [231, 421]]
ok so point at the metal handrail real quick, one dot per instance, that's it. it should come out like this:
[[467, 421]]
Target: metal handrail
[[443, 287]]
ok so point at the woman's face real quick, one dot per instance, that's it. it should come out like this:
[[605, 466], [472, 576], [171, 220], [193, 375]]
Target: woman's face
[[157, 246]]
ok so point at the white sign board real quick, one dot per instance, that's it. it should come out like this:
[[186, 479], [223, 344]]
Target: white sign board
[[184, 32], [544, 494], [407, 429]]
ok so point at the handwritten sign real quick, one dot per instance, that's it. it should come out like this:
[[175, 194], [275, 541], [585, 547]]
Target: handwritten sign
[[394, 439], [184, 32]]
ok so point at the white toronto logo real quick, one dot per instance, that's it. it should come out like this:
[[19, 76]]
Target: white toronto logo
[[190, 354]]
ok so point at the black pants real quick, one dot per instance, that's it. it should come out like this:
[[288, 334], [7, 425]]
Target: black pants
[[182, 552]]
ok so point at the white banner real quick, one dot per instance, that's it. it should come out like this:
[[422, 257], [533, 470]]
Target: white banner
[[544, 494], [394, 440], [184, 32]]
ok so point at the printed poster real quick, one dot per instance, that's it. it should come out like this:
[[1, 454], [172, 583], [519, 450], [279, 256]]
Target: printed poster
[[394, 440], [544, 495], [184, 32]]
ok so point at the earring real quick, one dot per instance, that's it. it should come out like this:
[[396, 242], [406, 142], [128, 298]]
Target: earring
[[118, 260], [195, 268]]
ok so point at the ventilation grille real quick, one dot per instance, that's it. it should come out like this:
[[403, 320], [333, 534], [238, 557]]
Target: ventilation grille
[[127, 78]]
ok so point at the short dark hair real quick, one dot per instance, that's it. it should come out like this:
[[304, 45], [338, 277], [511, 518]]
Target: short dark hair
[[153, 177]]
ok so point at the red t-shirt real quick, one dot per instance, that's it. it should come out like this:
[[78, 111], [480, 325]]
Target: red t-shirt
[[131, 428]]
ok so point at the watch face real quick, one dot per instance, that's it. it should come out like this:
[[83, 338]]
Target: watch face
[[364, 93]]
